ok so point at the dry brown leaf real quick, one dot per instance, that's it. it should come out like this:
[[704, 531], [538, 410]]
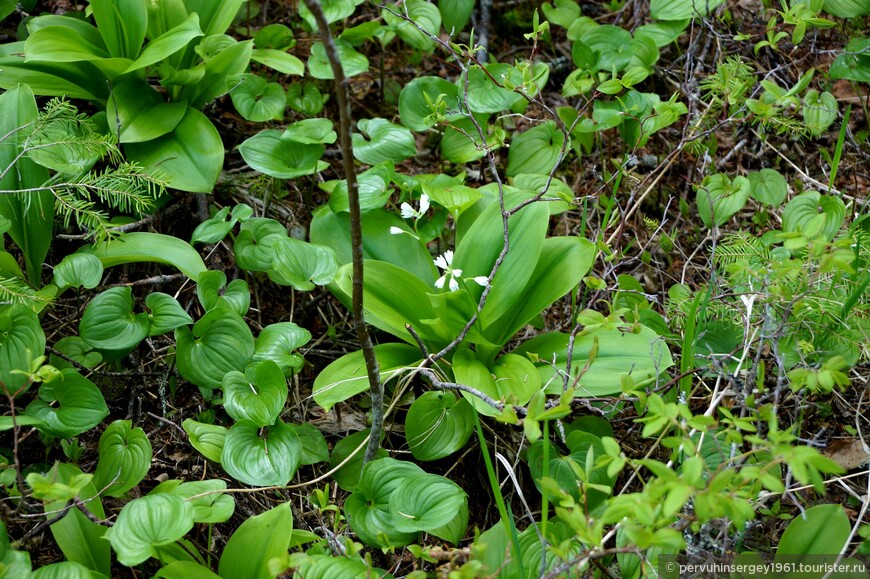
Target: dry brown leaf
[[848, 452]]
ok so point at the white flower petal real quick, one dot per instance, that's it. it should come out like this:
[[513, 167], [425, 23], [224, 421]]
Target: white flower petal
[[441, 263], [407, 211], [456, 273], [448, 257], [454, 285], [396, 230], [424, 203], [482, 280], [439, 283]]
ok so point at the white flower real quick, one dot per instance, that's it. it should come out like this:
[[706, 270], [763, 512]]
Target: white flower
[[408, 212], [482, 280], [396, 230], [445, 263]]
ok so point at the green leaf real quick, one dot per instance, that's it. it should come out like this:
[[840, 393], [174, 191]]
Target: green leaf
[[253, 247], [854, 63], [261, 460], [682, 9], [125, 455], [257, 100], [215, 15], [819, 111], [386, 142], [21, 341], [166, 313], [348, 476], [189, 158], [311, 131], [719, 198], [62, 570], [368, 509], [278, 342], [122, 24], [31, 217], [424, 15], [333, 11], [258, 395], [613, 45], [14, 563], [213, 292], [535, 150], [352, 61], [372, 189], [68, 406], [276, 36], [211, 507], [662, 33], [469, 370], [139, 247], [232, 58], [80, 539], [185, 570], [273, 153], [77, 349], [147, 523], [346, 377], [414, 109], [814, 215], [78, 270], [301, 265], [208, 439], [220, 342], [462, 143], [258, 540], [437, 425], [305, 98], [768, 186], [847, 8], [450, 194], [109, 322], [279, 60], [168, 43], [820, 530], [314, 448], [424, 502], [455, 14], [57, 44], [484, 96], [642, 356]]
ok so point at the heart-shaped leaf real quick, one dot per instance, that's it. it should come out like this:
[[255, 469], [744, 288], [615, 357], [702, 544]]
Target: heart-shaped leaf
[[208, 439], [417, 96], [311, 131], [258, 395], [314, 448], [425, 502], [78, 270], [260, 458], [68, 405], [352, 61], [109, 322], [814, 215], [372, 189], [438, 424], [719, 198], [125, 455], [209, 506], [258, 540], [278, 342], [255, 99], [819, 111], [301, 264], [682, 9], [348, 476], [21, 341], [62, 570], [305, 98], [385, 142], [484, 96], [272, 153], [147, 523], [220, 342], [78, 350], [535, 150], [768, 186], [253, 247], [424, 15], [822, 529], [166, 313], [139, 246], [213, 292]]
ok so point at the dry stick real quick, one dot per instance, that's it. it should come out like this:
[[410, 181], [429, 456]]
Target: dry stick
[[362, 332]]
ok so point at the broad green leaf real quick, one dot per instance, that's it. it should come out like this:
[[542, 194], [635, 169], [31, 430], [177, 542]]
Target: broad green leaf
[[455, 14], [168, 43], [68, 405], [819, 111], [261, 460], [469, 370], [149, 247], [314, 448], [613, 45], [272, 153], [562, 12], [305, 98], [213, 292], [462, 143], [719, 198], [311, 131], [166, 313], [516, 377], [208, 439], [258, 540], [58, 44], [814, 215], [559, 196], [80, 539], [190, 157], [642, 356], [257, 395], [122, 24], [561, 470], [348, 476], [65, 146], [372, 189], [662, 33], [140, 113], [437, 425], [78, 270], [536, 150], [232, 58], [275, 36], [424, 15], [21, 341], [330, 567], [220, 342], [147, 523], [484, 96], [215, 15], [253, 247], [682, 9], [368, 509], [385, 142], [301, 264], [352, 61], [847, 8], [62, 570], [125, 455], [414, 108], [279, 60], [854, 63], [820, 530], [185, 570], [255, 99], [14, 563], [109, 322], [346, 377], [72, 80], [278, 342], [454, 530], [768, 186], [455, 197], [333, 11], [77, 349], [211, 507], [32, 216], [425, 501]]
